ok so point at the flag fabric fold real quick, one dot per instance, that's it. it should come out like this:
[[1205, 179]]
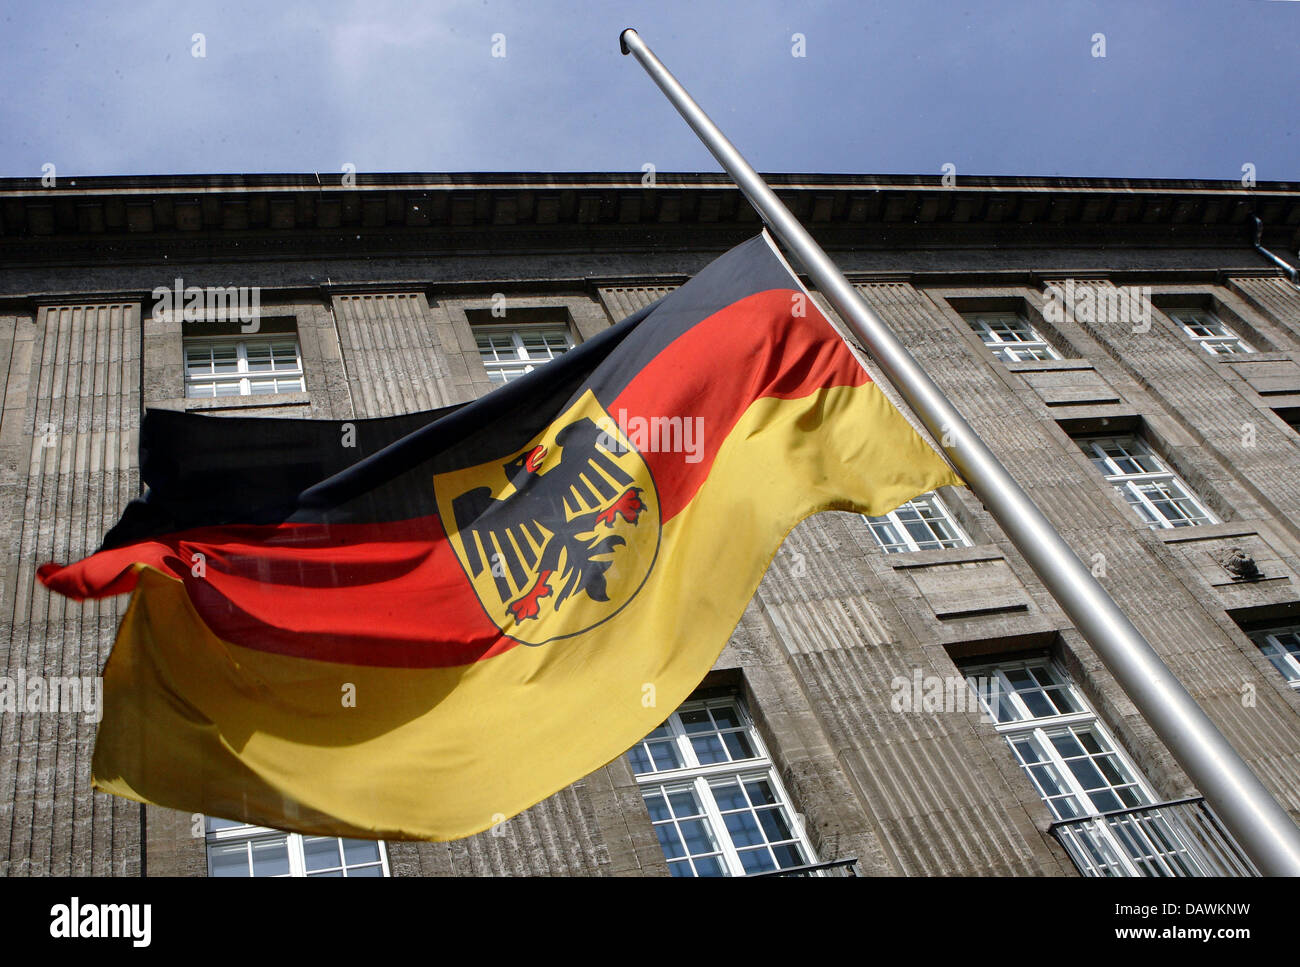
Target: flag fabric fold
[[416, 627]]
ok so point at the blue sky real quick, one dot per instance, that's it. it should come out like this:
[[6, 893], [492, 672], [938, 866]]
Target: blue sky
[[1187, 89]]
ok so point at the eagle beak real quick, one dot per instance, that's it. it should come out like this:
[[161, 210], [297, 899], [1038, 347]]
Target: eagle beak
[[534, 461]]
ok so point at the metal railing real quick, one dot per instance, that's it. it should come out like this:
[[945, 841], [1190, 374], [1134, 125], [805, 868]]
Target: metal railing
[[1179, 838], [834, 868]]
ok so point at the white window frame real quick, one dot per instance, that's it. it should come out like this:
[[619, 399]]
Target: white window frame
[[1218, 340], [1282, 658], [248, 835], [697, 776], [243, 374], [1110, 855], [502, 367], [1130, 485], [918, 506], [1018, 350]]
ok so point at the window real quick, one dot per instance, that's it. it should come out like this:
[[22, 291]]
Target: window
[[1157, 494], [1010, 336], [1209, 332], [237, 849], [508, 353], [921, 524], [716, 803], [1079, 771], [1290, 416], [242, 367], [1281, 646]]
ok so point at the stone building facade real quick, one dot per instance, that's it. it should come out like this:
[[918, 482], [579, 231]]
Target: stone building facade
[[1122, 346]]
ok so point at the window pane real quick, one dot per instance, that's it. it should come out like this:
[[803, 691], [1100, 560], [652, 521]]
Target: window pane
[[495, 346], [1037, 703], [1087, 774], [684, 803], [358, 851], [757, 861], [1067, 745], [670, 841], [774, 824], [696, 835], [760, 792], [738, 745], [665, 754], [1132, 796], [709, 866], [1062, 700], [743, 829], [228, 859], [639, 759], [729, 795], [697, 720], [1005, 709], [215, 823], [284, 355], [225, 359], [657, 807], [887, 533], [198, 362], [271, 858], [1104, 801], [708, 749], [320, 853], [259, 357], [788, 855]]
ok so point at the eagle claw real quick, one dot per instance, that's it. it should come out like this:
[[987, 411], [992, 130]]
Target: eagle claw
[[527, 606], [629, 505]]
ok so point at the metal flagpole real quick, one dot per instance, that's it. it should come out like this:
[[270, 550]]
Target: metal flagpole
[[1260, 825]]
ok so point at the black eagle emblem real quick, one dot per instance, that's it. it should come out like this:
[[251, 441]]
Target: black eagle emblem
[[547, 527]]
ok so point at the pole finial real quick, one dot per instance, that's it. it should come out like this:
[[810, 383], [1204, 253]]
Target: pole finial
[[622, 42]]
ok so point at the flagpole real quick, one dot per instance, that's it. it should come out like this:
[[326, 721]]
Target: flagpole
[[1260, 825]]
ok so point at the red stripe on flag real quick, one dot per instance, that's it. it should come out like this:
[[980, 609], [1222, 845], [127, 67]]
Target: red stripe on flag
[[748, 351], [388, 594]]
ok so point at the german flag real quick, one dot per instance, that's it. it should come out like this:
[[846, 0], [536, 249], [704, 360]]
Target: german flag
[[416, 627]]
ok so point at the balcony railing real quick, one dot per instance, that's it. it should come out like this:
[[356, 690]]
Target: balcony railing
[[1180, 838], [846, 867]]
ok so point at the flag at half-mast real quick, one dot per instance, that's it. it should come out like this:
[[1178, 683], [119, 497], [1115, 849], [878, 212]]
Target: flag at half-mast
[[417, 626]]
